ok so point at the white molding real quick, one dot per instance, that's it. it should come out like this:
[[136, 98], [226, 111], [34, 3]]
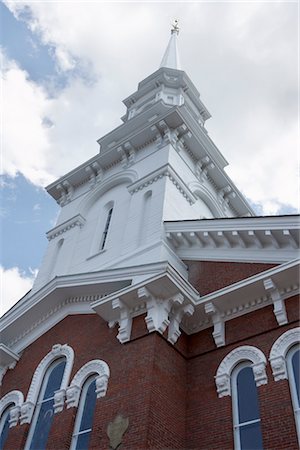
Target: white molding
[[218, 322], [253, 239], [279, 351], [237, 355], [95, 366], [164, 171], [278, 301], [56, 352], [245, 296], [175, 320], [77, 220], [124, 320], [16, 398], [8, 360]]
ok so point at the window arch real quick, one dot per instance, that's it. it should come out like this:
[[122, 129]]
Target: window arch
[[245, 353], [13, 400], [9, 413], [88, 384], [239, 374], [245, 408], [285, 361], [4, 426], [44, 410], [57, 351]]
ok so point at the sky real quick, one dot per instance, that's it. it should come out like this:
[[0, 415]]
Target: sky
[[67, 66]]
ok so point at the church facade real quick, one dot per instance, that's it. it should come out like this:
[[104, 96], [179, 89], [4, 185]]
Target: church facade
[[165, 314]]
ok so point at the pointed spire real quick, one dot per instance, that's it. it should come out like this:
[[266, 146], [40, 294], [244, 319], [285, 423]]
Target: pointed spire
[[171, 56]]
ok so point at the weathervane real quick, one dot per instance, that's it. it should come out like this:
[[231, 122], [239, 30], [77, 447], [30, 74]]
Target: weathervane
[[175, 27]]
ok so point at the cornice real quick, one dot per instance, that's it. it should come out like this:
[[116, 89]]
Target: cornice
[[164, 171], [77, 220], [260, 239]]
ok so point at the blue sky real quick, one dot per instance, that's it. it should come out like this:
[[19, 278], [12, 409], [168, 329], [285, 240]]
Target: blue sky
[[68, 65]]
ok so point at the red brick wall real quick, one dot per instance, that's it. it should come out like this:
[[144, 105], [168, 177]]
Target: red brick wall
[[167, 392], [209, 418], [209, 276]]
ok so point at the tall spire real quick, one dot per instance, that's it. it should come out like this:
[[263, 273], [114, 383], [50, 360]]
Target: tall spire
[[171, 56]]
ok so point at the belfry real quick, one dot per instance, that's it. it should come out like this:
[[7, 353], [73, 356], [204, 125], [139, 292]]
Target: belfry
[[165, 312]]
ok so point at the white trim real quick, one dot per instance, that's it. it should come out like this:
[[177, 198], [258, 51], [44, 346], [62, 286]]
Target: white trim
[[237, 355], [81, 405], [279, 351], [57, 351], [35, 411], [235, 409], [77, 220], [15, 398], [96, 366]]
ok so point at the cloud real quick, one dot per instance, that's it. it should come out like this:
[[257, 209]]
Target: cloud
[[242, 57], [15, 284]]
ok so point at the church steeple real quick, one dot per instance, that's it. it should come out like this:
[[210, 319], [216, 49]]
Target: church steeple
[[171, 56]]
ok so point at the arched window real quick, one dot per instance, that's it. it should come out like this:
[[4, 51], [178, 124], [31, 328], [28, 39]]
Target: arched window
[[239, 375], [246, 417], [88, 384], [293, 367], [4, 426], [109, 209], [285, 361], [44, 411], [85, 415], [10, 406]]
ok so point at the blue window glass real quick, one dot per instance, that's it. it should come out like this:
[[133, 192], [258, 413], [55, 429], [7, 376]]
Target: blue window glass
[[247, 426], [43, 418], [293, 365], [296, 372], [85, 416], [247, 395], [4, 427]]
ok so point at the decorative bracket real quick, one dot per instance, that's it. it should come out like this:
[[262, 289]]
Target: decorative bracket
[[127, 152], [59, 400], [219, 324], [95, 172], [278, 301], [224, 195], [175, 320], [202, 167], [66, 191], [158, 311], [125, 320], [26, 412]]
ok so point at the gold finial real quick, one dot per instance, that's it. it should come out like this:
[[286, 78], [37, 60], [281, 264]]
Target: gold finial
[[175, 27]]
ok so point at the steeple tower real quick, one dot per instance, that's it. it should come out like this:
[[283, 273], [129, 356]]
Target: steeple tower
[[171, 55], [158, 165]]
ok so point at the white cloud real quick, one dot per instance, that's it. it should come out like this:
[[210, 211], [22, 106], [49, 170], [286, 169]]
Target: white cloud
[[14, 285], [242, 57]]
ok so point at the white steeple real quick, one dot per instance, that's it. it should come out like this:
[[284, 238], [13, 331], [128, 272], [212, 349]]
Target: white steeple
[[171, 56]]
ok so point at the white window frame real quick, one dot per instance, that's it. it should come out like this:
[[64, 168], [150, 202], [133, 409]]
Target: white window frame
[[41, 400], [235, 409], [5, 415], [281, 364], [293, 390], [79, 414]]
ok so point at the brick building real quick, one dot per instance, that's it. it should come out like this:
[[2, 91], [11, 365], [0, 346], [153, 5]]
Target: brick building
[[165, 313]]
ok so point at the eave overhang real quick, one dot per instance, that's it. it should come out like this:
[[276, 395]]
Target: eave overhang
[[271, 287], [272, 239]]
